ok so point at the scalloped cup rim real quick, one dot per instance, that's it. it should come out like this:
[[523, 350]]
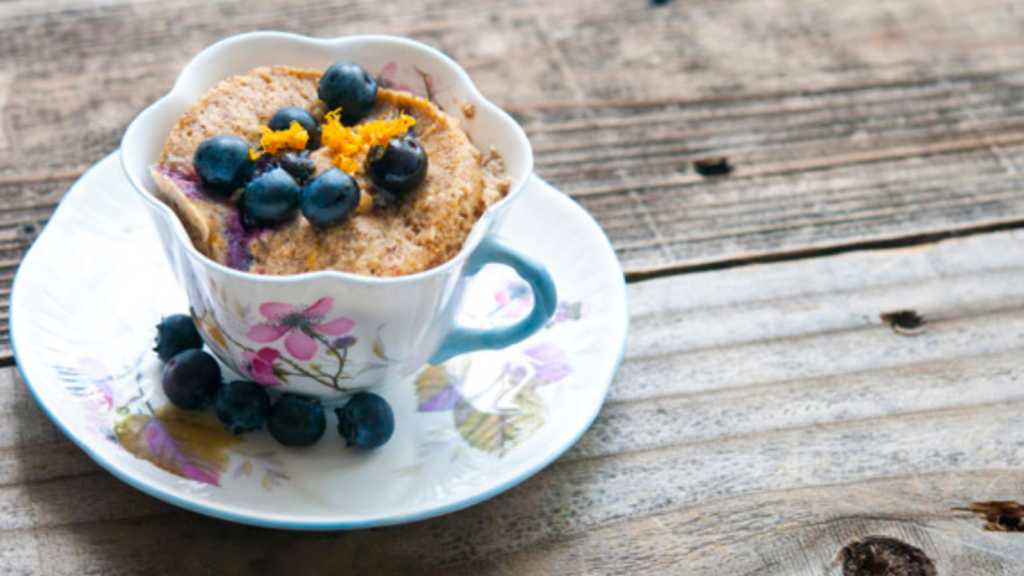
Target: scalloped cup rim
[[204, 57]]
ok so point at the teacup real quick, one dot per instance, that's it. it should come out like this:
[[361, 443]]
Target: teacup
[[328, 333]]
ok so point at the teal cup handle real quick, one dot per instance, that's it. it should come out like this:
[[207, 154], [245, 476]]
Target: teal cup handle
[[545, 299]]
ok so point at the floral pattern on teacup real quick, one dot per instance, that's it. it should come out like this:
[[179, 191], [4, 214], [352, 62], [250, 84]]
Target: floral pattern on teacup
[[301, 327], [491, 399], [391, 77], [286, 341]]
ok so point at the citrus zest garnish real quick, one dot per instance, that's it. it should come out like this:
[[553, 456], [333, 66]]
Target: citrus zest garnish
[[295, 138], [347, 165], [343, 141], [347, 143], [310, 262]]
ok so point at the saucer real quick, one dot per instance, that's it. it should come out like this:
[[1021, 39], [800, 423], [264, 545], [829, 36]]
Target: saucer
[[89, 293]]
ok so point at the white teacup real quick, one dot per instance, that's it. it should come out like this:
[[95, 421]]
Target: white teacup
[[327, 333]]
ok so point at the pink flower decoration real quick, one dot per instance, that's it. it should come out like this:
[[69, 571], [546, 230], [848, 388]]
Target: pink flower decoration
[[386, 78], [501, 297], [550, 362], [260, 365], [96, 373], [301, 325], [162, 445], [514, 301]]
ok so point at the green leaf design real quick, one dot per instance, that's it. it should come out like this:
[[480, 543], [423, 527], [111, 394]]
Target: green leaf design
[[430, 381], [281, 373], [436, 389], [190, 445], [207, 324], [497, 433], [238, 309], [378, 348]]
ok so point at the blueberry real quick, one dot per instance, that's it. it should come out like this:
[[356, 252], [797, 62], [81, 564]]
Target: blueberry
[[366, 421], [242, 406], [398, 168], [223, 164], [297, 421], [327, 200], [347, 86], [176, 334], [283, 118], [298, 164], [270, 199], [265, 163], [191, 379]]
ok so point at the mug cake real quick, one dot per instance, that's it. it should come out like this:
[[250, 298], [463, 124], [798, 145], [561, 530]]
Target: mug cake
[[282, 171]]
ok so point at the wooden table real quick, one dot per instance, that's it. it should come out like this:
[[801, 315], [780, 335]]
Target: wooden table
[[778, 178]]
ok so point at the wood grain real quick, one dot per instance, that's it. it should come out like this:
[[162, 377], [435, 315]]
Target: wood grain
[[764, 418], [869, 121]]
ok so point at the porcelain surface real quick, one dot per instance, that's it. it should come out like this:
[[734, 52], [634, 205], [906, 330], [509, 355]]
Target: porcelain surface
[[90, 291]]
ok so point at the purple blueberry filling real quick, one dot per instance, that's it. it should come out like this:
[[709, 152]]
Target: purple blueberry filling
[[238, 240], [236, 237], [188, 183]]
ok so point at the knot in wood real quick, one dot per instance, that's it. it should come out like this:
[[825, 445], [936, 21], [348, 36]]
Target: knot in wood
[[883, 556], [905, 322]]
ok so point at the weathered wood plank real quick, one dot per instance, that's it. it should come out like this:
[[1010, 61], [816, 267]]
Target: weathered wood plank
[[768, 109], [723, 537], [764, 418], [845, 124]]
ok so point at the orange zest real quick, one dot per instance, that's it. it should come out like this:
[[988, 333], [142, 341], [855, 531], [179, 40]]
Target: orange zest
[[347, 143], [294, 138]]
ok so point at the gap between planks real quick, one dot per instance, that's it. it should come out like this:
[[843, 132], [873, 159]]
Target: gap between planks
[[895, 242]]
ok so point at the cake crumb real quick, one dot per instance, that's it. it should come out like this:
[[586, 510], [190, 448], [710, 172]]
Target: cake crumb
[[468, 109]]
